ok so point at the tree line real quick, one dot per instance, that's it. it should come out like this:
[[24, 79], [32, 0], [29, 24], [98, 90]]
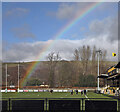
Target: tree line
[[80, 72]]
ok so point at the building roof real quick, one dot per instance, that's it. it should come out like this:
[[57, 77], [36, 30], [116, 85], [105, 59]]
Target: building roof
[[118, 65], [114, 76], [103, 76], [110, 69]]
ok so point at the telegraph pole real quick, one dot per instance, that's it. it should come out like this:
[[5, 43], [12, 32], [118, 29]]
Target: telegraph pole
[[98, 54]]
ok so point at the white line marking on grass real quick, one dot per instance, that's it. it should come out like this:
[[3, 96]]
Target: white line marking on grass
[[86, 97]]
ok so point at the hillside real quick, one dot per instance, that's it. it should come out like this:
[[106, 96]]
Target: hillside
[[66, 73]]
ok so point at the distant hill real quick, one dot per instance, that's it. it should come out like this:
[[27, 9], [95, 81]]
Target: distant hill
[[41, 71]]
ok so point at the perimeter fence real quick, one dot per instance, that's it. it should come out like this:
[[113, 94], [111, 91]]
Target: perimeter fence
[[60, 104]]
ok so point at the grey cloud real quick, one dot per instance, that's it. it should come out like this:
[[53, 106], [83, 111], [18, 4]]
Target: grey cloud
[[29, 51], [23, 32], [23, 51], [65, 11], [107, 26], [70, 10]]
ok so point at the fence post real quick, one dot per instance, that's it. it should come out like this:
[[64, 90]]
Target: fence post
[[9, 104], [46, 103], [82, 104], [118, 104]]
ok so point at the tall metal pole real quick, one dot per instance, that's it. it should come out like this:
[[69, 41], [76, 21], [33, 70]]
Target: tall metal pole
[[98, 54], [18, 77], [98, 69], [6, 78]]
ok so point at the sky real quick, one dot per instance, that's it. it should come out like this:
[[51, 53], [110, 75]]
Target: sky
[[29, 27]]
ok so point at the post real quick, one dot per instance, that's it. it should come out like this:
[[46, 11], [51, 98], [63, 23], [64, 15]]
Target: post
[[9, 104], [6, 79], [98, 54], [18, 77], [82, 104], [46, 104], [98, 70], [119, 83]]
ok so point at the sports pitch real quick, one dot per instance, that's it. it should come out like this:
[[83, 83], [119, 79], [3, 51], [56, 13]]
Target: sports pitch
[[59, 96], [52, 95]]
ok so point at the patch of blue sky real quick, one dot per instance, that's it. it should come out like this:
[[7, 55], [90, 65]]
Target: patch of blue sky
[[44, 26]]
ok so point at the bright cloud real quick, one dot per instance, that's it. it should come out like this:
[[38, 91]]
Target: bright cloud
[[29, 52]]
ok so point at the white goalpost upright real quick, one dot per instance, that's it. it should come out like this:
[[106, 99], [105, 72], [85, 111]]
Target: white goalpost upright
[[6, 79], [8, 75], [18, 76]]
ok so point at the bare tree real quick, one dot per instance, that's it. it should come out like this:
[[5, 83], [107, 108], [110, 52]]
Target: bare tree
[[93, 62], [102, 61], [53, 59], [66, 77], [76, 65], [85, 54], [76, 55], [88, 55]]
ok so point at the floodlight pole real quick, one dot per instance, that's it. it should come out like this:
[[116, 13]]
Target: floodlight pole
[[18, 77], [98, 70], [98, 54], [6, 78]]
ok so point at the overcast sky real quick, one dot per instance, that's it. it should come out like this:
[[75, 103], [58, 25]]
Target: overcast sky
[[30, 29]]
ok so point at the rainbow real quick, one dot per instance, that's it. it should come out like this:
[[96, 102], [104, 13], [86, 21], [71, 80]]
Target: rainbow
[[50, 43]]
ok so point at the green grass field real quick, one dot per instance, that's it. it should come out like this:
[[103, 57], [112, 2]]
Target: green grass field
[[58, 95], [51, 95]]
